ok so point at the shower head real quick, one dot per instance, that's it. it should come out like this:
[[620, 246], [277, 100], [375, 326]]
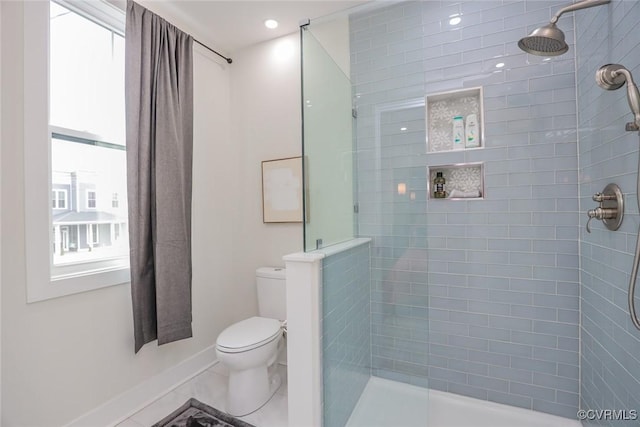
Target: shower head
[[612, 77], [549, 39], [544, 41]]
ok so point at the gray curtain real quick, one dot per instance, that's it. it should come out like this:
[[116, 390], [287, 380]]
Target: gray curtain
[[159, 106]]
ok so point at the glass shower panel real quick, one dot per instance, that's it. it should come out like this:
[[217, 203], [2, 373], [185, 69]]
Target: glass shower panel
[[398, 197], [327, 146], [375, 323]]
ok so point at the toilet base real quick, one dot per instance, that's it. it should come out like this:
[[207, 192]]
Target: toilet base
[[251, 389]]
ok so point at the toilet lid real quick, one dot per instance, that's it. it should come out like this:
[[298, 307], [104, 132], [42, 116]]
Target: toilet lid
[[252, 332]]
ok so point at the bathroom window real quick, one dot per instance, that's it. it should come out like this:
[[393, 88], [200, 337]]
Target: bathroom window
[[83, 129]]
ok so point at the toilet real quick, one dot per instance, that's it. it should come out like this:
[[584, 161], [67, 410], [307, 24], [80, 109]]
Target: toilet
[[250, 348]]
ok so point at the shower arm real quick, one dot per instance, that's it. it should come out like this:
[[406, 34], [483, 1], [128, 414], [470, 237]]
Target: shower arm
[[578, 6]]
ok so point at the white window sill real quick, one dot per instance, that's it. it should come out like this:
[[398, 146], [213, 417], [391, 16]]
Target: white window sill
[[75, 283]]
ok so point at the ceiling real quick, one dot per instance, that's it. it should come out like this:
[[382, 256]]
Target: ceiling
[[227, 26]]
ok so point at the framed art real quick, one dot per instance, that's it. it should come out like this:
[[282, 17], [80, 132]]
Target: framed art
[[282, 190]]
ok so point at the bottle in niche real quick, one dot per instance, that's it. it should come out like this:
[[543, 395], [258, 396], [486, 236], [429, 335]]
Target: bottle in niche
[[471, 132], [438, 186], [458, 133]]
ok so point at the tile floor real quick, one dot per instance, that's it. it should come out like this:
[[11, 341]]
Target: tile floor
[[210, 387]]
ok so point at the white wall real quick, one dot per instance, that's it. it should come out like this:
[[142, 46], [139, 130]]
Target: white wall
[[333, 35], [0, 220], [65, 356], [266, 124]]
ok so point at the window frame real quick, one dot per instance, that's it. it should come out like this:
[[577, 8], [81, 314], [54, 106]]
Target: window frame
[[56, 198], [42, 284], [93, 199]]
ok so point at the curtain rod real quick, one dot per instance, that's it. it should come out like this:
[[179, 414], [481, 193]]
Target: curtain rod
[[122, 5], [229, 60]]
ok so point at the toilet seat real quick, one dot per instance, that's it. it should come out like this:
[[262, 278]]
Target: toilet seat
[[248, 334]]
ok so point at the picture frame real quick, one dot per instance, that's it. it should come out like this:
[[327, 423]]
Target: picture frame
[[282, 190]]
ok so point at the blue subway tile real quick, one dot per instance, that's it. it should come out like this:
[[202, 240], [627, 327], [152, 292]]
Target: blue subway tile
[[516, 250]]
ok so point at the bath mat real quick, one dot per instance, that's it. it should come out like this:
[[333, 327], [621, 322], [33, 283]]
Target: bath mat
[[196, 414]]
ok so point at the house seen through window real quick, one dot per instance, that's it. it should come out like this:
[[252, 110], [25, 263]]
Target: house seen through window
[[88, 163]]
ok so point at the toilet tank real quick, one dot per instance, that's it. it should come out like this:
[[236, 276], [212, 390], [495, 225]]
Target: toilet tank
[[272, 297]]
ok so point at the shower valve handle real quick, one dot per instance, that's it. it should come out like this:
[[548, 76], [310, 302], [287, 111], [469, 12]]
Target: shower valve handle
[[600, 213], [611, 207], [601, 197]]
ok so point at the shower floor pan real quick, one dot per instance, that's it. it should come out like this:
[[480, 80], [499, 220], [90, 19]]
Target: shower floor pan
[[386, 403]]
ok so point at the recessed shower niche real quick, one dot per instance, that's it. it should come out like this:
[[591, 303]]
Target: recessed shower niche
[[463, 181], [454, 122], [444, 109]]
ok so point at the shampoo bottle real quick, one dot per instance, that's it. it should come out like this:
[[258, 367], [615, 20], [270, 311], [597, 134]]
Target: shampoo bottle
[[471, 132], [438, 185], [458, 133]]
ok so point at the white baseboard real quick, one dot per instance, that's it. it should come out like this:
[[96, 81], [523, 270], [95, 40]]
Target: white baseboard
[[128, 403]]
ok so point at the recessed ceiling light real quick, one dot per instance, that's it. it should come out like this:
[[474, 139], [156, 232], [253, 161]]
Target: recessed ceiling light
[[271, 24]]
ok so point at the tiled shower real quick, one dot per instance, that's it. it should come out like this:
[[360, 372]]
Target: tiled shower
[[610, 344], [477, 297], [502, 297], [346, 338]]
